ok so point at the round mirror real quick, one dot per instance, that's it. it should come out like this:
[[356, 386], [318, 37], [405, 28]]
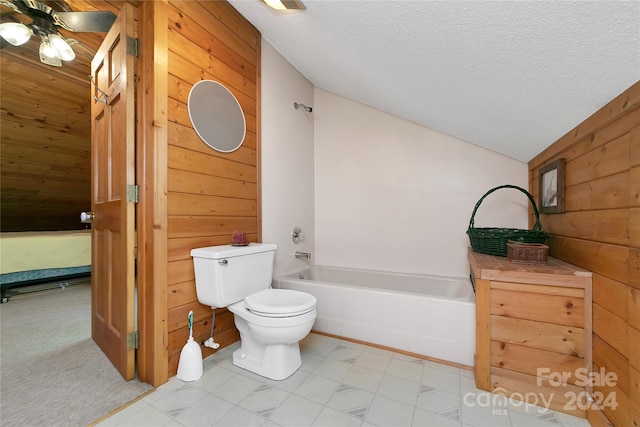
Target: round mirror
[[216, 116]]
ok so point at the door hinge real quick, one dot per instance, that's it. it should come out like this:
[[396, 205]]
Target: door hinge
[[133, 193], [133, 46], [133, 340]]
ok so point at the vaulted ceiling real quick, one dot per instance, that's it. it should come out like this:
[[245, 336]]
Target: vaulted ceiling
[[512, 76]]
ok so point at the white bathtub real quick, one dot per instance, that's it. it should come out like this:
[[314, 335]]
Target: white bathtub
[[432, 316]]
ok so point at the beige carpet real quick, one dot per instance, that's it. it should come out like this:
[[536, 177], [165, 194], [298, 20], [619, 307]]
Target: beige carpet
[[51, 371]]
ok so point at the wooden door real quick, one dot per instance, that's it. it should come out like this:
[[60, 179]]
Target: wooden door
[[112, 189]]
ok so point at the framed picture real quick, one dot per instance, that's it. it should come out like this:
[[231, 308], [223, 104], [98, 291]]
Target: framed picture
[[551, 191]]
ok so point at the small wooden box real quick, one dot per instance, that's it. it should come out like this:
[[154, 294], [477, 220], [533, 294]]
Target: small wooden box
[[527, 253]]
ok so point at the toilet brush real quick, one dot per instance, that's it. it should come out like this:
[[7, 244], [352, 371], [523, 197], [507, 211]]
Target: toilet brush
[[190, 364]]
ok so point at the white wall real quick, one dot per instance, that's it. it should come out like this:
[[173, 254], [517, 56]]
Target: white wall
[[287, 159], [371, 190], [396, 196]]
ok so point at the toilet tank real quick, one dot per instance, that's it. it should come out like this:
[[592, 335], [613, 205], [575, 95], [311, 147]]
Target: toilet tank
[[227, 274]]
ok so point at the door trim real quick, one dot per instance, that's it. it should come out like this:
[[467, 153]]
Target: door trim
[[151, 176]]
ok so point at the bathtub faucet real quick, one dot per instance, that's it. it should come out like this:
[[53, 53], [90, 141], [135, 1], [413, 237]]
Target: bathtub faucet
[[305, 255]]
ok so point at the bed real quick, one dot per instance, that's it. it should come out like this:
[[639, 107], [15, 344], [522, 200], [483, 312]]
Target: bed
[[44, 256]]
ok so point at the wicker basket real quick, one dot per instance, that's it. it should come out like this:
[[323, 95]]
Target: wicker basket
[[493, 241], [527, 253]]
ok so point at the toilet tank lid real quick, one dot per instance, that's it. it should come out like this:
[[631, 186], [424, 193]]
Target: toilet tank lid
[[228, 251]]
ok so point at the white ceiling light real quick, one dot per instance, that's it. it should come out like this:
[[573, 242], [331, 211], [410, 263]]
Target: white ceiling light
[[48, 53], [285, 4], [62, 48], [15, 33], [53, 47]]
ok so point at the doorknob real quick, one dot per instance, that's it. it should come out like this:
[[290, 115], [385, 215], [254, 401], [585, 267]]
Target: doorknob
[[87, 217]]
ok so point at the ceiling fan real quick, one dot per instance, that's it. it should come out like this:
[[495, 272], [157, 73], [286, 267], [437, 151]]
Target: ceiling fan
[[54, 48]]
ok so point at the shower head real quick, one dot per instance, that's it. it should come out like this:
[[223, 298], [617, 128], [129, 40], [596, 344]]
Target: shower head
[[297, 105]]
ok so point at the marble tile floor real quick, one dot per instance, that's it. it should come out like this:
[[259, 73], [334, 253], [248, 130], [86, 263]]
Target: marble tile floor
[[340, 383]]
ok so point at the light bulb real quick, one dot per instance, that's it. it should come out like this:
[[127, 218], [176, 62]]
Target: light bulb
[[15, 33], [62, 48], [47, 50], [48, 54], [285, 4], [275, 4]]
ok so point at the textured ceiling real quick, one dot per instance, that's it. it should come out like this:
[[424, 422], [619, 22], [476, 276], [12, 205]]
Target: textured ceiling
[[511, 76]]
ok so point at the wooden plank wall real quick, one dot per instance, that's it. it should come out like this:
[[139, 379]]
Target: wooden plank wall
[[45, 130], [600, 231], [210, 194], [46, 166]]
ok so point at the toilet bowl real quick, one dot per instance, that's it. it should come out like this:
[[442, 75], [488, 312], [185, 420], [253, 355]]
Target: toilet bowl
[[269, 336], [271, 321]]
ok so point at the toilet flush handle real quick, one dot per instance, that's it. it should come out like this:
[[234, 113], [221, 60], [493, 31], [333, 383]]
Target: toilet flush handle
[[223, 262]]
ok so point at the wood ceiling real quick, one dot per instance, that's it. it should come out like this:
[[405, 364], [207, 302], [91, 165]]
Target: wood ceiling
[[45, 131]]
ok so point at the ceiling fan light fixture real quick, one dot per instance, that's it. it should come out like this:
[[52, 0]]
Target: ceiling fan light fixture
[[48, 54], [285, 4], [61, 47], [54, 47], [15, 33]]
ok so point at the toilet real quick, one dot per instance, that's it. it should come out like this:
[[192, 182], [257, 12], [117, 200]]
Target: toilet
[[271, 321]]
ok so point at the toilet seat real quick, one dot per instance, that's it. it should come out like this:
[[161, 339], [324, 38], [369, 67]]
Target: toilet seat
[[280, 303]]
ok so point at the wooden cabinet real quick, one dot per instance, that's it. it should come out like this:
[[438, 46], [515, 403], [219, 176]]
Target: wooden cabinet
[[533, 331]]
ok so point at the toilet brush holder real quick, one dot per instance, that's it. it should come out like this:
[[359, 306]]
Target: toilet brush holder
[[190, 364]]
